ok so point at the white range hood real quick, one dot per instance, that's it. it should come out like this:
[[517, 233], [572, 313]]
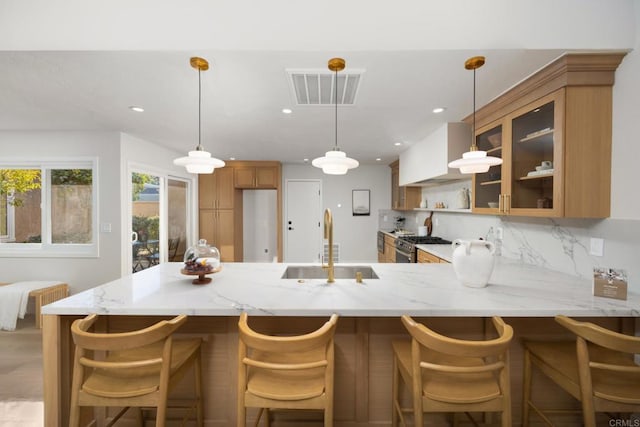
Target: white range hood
[[425, 163]]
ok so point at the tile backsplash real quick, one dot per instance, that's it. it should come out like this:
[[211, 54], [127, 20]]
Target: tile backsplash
[[557, 244]]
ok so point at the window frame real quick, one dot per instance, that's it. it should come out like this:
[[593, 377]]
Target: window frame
[[46, 248]]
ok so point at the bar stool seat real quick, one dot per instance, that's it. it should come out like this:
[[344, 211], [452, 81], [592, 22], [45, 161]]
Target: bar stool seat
[[445, 374], [138, 369], [285, 372], [597, 369]]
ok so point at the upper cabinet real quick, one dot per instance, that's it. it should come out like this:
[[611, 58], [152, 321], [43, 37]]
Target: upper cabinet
[[402, 197], [216, 190], [257, 174], [553, 132]]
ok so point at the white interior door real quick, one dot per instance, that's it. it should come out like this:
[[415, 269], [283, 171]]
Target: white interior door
[[303, 221]]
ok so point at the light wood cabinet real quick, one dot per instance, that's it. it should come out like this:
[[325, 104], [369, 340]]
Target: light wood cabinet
[[389, 249], [217, 226], [220, 214], [256, 174], [402, 197], [427, 257], [216, 190], [560, 116]]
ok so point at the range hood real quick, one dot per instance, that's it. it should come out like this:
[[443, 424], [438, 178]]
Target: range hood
[[425, 163]]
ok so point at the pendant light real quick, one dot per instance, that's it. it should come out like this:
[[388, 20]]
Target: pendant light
[[474, 160], [199, 160], [335, 162]]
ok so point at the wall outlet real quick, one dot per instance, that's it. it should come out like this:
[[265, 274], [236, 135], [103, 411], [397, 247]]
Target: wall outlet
[[597, 247], [436, 222], [105, 227], [385, 218]]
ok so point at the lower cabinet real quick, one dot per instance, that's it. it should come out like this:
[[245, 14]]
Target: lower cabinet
[[389, 249], [426, 257], [218, 227]]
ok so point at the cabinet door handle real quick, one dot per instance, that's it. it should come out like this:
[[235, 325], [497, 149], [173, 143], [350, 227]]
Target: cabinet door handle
[[507, 205], [500, 203]]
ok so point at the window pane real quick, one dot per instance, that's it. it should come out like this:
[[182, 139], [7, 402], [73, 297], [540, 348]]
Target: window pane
[[71, 206], [20, 213]]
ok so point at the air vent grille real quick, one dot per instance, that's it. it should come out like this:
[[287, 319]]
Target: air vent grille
[[315, 87], [336, 252]]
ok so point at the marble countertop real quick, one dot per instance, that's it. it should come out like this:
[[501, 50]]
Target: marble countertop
[[514, 289]]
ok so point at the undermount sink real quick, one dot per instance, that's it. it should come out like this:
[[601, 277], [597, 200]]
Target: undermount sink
[[317, 272]]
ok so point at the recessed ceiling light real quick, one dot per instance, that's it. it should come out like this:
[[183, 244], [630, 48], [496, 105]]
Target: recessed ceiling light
[[287, 110], [438, 110], [232, 158], [305, 160], [378, 159], [136, 109], [397, 144]]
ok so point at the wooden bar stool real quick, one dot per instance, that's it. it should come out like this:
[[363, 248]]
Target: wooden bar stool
[[598, 369], [139, 370], [445, 374], [285, 372]]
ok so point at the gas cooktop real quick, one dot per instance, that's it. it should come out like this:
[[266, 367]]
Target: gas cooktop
[[425, 240]]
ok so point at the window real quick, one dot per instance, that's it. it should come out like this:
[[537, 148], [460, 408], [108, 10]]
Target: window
[[48, 209]]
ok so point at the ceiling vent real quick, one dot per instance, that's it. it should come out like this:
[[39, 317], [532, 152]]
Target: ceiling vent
[[315, 87]]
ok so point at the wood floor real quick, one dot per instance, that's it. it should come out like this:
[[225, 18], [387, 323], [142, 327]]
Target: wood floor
[[21, 376]]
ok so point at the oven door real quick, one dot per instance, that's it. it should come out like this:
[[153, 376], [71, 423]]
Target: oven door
[[403, 257]]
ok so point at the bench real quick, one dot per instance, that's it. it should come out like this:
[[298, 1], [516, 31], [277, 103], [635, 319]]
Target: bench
[[45, 295]]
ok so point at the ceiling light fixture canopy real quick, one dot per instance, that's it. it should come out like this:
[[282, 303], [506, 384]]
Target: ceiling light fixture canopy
[[335, 162], [474, 160], [199, 160]]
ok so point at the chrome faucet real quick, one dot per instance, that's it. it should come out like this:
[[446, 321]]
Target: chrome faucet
[[328, 234]]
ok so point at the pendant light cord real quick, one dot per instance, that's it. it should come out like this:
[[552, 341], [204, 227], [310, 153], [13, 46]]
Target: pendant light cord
[[199, 110], [336, 101], [473, 129]]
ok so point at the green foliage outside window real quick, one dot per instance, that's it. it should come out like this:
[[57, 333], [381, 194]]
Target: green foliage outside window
[[17, 181]]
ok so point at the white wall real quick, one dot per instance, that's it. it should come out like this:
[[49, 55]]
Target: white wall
[[79, 273], [356, 234], [625, 197]]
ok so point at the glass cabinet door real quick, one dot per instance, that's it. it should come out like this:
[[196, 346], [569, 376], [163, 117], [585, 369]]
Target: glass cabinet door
[[533, 159], [488, 185]]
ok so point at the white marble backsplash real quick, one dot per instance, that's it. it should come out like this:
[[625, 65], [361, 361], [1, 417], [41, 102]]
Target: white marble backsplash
[[557, 244]]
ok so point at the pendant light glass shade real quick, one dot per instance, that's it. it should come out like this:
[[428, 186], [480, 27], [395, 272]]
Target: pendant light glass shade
[[474, 160], [335, 162], [199, 160]]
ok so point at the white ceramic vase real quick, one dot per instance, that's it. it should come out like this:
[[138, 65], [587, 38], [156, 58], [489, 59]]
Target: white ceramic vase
[[473, 261]]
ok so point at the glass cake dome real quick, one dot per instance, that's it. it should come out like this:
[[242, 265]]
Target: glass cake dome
[[202, 256]]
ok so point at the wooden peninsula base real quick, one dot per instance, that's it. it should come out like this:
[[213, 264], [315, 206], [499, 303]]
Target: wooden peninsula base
[[363, 363]]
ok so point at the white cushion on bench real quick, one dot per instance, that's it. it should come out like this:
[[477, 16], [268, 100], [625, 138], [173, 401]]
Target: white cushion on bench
[[14, 298]]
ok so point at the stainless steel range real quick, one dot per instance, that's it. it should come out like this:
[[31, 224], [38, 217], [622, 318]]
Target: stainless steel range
[[406, 251]]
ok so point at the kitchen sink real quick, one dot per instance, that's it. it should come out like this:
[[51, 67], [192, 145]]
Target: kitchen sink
[[317, 272]]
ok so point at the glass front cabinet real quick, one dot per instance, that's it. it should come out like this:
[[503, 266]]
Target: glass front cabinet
[[529, 181], [553, 132]]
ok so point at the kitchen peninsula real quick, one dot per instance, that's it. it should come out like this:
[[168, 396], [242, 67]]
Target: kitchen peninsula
[[527, 296]]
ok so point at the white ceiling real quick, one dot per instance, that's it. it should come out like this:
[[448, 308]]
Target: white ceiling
[[72, 76]]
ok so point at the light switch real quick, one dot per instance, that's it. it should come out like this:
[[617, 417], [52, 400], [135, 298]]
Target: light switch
[[597, 247], [105, 227]]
